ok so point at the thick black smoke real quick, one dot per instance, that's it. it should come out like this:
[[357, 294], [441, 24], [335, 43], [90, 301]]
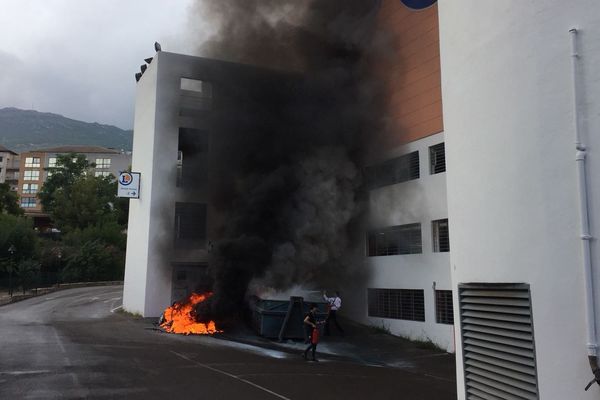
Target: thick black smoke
[[286, 180]]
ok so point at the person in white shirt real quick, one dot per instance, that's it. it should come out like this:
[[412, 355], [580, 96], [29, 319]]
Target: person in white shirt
[[335, 303]]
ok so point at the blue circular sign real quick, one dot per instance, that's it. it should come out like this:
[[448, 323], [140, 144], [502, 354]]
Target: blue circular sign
[[418, 4]]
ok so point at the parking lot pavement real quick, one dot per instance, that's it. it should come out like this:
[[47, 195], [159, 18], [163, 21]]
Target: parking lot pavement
[[69, 345], [367, 346]]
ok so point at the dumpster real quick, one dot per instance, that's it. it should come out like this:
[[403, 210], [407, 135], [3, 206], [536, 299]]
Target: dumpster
[[283, 318]]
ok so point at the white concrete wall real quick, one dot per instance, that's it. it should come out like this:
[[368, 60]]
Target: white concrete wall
[[150, 253], [136, 263], [422, 200], [512, 183]]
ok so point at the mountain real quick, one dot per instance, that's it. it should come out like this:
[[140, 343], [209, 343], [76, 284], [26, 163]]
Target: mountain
[[22, 130]]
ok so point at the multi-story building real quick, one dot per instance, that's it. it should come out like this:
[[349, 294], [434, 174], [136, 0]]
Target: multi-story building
[[9, 167], [34, 164], [177, 119], [521, 94], [409, 290], [489, 252]]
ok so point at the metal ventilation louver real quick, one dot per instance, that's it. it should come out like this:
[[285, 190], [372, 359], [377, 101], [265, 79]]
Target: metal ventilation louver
[[498, 342]]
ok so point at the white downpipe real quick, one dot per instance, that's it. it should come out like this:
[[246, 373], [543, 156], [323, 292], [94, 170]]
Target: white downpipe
[[592, 345]]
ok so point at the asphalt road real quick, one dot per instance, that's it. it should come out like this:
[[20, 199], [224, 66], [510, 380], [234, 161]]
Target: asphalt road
[[70, 345]]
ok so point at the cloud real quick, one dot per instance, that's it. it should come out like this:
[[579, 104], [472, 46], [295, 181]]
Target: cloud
[[78, 58]]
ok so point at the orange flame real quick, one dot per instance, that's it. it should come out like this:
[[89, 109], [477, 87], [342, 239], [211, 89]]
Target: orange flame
[[180, 317]]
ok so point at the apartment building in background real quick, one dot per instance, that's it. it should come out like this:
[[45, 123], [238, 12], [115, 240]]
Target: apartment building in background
[[9, 167], [33, 170]]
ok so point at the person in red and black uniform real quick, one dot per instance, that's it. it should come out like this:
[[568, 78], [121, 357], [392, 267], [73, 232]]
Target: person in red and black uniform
[[310, 323], [335, 303]]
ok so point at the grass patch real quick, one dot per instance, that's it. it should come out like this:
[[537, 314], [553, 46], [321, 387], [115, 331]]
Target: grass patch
[[380, 330], [121, 311], [426, 344]]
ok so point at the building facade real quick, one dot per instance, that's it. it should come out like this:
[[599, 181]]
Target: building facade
[[34, 164], [409, 291], [184, 107], [9, 167], [483, 210], [520, 88]]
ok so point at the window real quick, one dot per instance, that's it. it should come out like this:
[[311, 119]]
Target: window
[[31, 175], [197, 86], [1, 158], [196, 95], [393, 171], [192, 157], [190, 224], [27, 202], [441, 238], [401, 239], [407, 304], [437, 159], [32, 162], [52, 162], [30, 188], [102, 173], [102, 163], [444, 312]]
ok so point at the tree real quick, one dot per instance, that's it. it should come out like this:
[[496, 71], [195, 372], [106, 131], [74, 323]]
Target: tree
[[18, 241], [69, 168], [18, 232], [75, 199], [93, 261], [88, 201], [27, 273], [9, 201]]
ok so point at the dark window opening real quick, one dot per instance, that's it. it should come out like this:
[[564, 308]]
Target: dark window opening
[[437, 158], [406, 304], [444, 311], [401, 239], [196, 95], [393, 171], [192, 157], [441, 236], [190, 224]]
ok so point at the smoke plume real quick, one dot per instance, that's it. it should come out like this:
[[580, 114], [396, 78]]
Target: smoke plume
[[286, 183]]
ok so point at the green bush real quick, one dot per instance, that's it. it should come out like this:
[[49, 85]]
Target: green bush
[[27, 274], [93, 261]]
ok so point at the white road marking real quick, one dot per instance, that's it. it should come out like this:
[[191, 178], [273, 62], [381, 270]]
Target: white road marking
[[231, 376], [32, 372], [116, 308], [113, 299]]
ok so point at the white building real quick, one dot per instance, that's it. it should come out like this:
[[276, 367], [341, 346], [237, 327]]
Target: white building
[[518, 261], [409, 290], [510, 291], [176, 119]]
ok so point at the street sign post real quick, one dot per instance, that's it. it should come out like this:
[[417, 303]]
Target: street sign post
[[129, 185]]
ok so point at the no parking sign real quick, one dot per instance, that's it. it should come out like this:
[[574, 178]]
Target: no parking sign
[[129, 185]]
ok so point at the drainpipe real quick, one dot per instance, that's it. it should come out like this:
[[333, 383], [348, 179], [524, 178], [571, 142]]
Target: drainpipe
[[592, 345]]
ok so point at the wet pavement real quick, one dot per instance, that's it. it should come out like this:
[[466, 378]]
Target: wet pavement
[[367, 346], [74, 344]]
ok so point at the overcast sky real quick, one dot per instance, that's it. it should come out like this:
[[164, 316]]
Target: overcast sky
[[78, 57]]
